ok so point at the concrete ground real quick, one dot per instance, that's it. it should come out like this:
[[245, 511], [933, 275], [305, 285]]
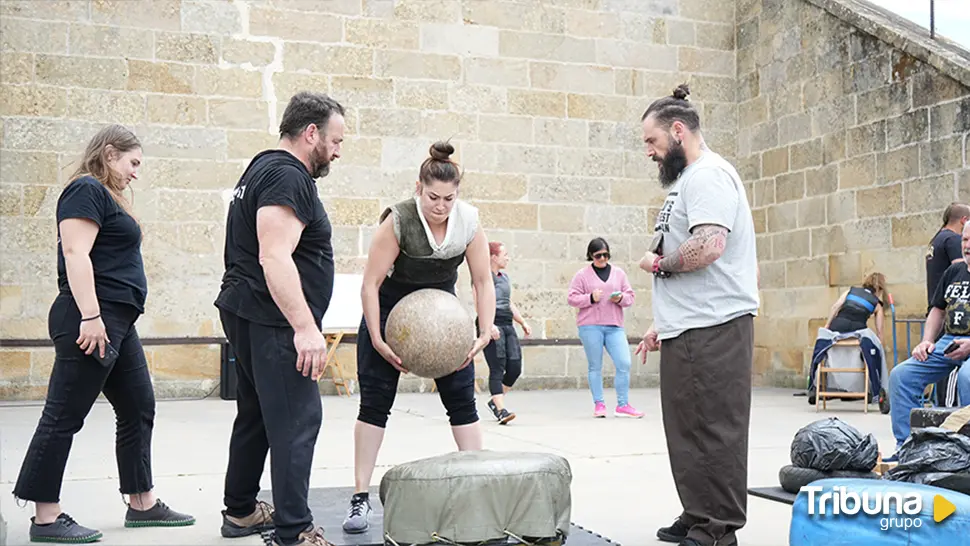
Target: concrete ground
[[621, 486]]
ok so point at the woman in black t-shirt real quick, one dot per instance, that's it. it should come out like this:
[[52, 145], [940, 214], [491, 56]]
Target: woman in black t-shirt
[[101, 293]]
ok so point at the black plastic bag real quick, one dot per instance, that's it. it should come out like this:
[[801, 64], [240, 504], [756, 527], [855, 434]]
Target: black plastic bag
[[831, 444], [931, 454]]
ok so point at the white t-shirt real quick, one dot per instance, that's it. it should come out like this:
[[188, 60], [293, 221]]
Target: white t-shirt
[[709, 191]]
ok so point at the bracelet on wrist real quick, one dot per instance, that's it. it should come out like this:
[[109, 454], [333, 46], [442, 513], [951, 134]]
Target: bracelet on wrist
[[91, 318], [656, 264]]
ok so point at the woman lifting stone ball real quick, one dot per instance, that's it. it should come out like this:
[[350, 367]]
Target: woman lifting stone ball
[[420, 243]]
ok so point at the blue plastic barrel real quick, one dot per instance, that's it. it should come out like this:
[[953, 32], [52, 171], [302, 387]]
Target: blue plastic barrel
[[883, 529]]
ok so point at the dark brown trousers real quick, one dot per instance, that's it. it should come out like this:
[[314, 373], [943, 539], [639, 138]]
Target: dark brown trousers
[[705, 395]]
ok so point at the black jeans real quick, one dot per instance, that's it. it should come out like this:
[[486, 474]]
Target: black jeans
[[277, 409], [74, 385]]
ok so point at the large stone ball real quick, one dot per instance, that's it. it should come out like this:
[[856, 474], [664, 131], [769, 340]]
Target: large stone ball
[[432, 333]]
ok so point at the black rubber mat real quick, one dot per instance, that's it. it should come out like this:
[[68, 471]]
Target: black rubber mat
[[329, 506], [775, 493]]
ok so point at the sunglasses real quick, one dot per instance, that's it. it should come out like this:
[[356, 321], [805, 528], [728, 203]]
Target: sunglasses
[[599, 255]]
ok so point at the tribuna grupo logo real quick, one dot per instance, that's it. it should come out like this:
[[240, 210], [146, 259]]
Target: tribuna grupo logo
[[896, 510]]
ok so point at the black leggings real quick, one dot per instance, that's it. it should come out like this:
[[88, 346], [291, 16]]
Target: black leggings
[[378, 380], [74, 385], [503, 371]]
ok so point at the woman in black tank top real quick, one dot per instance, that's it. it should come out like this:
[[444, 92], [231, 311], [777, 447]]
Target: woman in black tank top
[[852, 310], [504, 353]]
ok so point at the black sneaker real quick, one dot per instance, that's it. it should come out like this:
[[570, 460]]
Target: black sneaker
[[494, 408], [504, 416], [693, 542], [677, 532], [159, 515], [63, 530]]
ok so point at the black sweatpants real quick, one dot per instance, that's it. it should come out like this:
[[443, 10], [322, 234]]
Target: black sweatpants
[[277, 409], [74, 385], [705, 396]]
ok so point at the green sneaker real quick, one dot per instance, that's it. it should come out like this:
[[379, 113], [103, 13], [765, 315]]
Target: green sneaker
[[159, 515], [64, 530]]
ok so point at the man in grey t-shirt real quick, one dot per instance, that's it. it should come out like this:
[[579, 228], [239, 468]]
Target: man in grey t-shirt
[[705, 297]]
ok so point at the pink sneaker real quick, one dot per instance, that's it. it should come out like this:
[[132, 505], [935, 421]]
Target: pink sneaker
[[600, 410], [627, 411]]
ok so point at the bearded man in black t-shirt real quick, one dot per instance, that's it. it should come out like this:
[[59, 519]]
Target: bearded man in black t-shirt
[[276, 288], [933, 359]]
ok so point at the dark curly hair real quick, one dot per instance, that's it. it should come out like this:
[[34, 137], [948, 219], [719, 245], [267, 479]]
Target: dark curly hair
[[674, 107]]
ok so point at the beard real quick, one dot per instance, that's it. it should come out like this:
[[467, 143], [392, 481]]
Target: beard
[[671, 164], [320, 163]]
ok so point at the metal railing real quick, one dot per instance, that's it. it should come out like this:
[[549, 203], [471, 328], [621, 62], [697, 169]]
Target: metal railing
[[909, 322], [929, 395]]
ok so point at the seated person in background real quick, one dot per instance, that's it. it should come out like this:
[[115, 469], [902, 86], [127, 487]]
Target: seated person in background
[[934, 359], [852, 310], [849, 319]]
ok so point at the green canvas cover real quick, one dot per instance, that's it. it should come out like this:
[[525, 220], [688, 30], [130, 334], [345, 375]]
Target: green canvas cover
[[474, 496]]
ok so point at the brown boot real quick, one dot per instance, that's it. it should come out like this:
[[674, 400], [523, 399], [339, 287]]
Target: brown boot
[[260, 520]]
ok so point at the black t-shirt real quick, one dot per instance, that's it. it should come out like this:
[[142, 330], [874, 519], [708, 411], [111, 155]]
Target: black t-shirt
[[953, 296], [943, 249], [119, 271], [275, 177]]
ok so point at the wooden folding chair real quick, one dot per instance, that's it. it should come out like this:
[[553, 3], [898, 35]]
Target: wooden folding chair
[[333, 364], [820, 375]]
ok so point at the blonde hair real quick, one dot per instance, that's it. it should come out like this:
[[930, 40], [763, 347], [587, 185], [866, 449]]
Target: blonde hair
[[876, 283], [94, 162]]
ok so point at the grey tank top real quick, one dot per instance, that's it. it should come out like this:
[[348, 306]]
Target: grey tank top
[[503, 300]]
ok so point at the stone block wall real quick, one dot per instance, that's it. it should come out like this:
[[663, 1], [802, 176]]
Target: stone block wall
[[850, 143], [852, 149], [541, 98]]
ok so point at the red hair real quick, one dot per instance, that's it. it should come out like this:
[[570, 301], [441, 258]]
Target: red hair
[[494, 247]]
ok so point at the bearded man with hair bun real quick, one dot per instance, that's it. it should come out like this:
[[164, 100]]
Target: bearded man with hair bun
[[705, 298]]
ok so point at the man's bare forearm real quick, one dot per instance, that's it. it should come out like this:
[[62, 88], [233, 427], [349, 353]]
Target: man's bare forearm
[[934, 323], [702, 249], [283, 281]]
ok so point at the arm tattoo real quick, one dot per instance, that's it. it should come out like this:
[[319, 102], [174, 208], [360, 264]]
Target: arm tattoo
[[703, 247]]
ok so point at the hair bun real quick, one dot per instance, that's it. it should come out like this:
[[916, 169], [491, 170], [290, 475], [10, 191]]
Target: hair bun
[[441, 150], [681, 92]]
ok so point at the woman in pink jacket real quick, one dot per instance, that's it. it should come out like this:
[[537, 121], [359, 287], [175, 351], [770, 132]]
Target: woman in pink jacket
[[600, 292]]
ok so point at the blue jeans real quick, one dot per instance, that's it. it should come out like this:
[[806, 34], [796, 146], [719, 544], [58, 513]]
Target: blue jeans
[[594, 339], [909, 379]]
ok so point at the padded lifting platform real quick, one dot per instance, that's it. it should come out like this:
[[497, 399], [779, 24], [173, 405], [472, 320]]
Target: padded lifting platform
[[329, 506]]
